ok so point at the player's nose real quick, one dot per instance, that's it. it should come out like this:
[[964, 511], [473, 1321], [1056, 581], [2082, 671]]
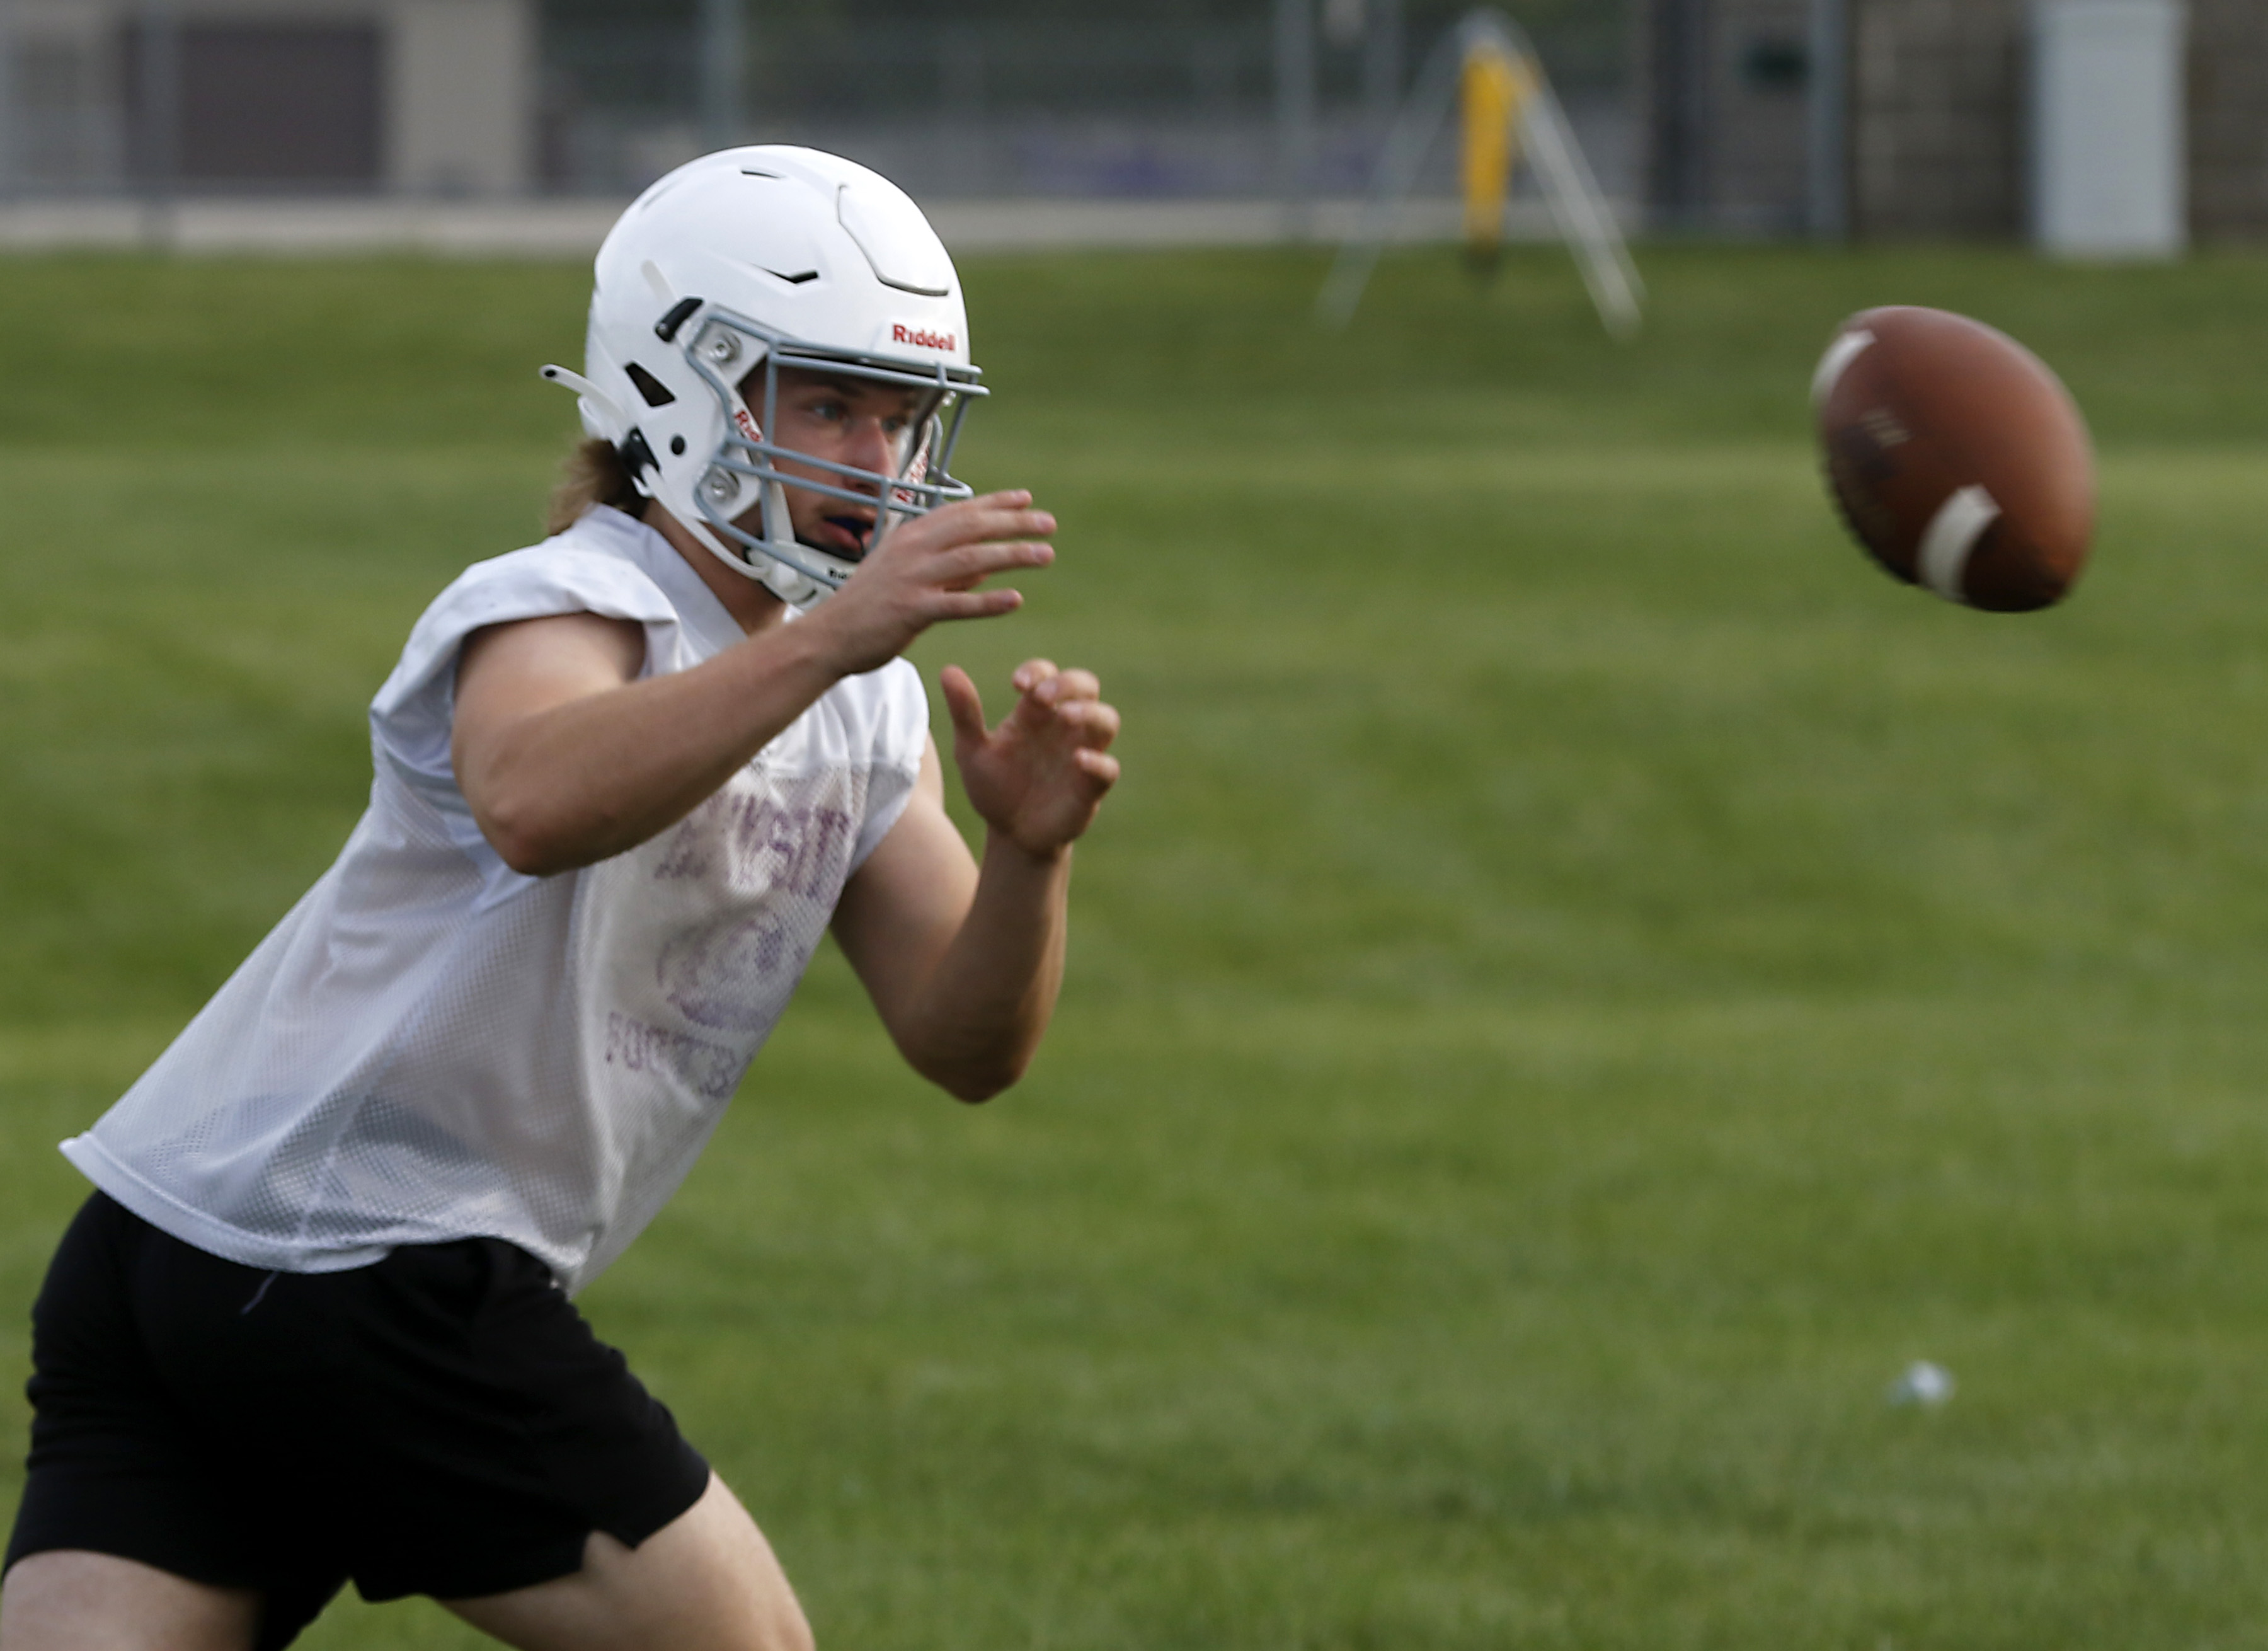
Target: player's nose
[[871, 448]]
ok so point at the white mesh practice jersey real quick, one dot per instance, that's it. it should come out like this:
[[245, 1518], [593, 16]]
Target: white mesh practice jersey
[[432, 1046]]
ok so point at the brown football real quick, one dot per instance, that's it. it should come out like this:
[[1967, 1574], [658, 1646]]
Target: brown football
[[1959, 459]]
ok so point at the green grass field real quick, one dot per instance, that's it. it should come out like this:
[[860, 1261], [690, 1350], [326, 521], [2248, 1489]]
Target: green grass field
[[1584, 980]]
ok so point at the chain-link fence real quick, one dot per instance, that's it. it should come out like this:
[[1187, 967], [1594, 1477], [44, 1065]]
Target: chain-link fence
[[1191, 99], [1158, 101]]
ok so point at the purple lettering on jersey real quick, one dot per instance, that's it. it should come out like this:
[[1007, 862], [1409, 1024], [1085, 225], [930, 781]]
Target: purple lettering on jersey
[[693, 845], [725, 975], [708, 1069], [827, 854], [795, 849]]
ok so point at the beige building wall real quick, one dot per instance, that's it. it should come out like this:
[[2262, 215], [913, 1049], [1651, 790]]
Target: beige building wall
[[461, 96]]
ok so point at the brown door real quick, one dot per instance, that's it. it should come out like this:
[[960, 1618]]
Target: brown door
[[257, 106]]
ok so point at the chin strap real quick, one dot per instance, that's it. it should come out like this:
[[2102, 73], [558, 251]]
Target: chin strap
[[797, 589], [791, 587]]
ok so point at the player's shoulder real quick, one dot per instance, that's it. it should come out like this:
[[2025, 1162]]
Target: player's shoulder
[[596, 567], [600, 563]]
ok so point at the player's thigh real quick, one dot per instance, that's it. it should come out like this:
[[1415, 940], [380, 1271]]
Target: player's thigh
[[66, 1600], [705, 1581]]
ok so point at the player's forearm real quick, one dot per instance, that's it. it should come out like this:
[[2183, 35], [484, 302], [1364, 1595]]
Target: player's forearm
[[982, 1012], [592, 777]]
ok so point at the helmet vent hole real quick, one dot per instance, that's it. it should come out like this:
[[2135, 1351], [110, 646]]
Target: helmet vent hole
[[677, 444], [656, 393]]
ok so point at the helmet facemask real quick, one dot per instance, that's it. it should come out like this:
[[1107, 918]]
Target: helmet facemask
[[731, 355]]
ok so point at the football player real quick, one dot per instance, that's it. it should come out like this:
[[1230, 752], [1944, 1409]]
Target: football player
[[314, 1325]]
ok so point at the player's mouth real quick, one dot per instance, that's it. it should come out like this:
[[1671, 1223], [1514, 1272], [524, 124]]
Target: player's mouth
[[848, 532]]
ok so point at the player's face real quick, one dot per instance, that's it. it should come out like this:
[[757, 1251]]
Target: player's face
[[848, 421]]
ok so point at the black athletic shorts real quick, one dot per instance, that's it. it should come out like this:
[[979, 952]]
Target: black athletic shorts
[[441, 1422]]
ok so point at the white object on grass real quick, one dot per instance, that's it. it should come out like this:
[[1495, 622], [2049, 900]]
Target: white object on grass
[[1923, 1383]]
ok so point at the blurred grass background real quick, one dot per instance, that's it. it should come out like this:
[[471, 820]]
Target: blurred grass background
[[1584, 980]]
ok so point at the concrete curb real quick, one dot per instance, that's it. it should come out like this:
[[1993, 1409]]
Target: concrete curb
[[574, 228]]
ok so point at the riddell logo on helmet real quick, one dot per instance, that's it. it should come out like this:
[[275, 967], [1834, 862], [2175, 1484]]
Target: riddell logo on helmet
[[920, 337]]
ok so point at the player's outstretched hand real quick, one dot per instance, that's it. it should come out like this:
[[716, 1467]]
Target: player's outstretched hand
[[927, 569], [1039, 777]]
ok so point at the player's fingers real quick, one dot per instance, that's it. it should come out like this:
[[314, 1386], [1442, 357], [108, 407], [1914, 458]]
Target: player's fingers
[[963, 703], [974, 570], [971, 520], [1034, 713], [1094, 724], [964, 565], [1067, 686], [999, 524], [947, 605], [1007, 498], [1098, 767]]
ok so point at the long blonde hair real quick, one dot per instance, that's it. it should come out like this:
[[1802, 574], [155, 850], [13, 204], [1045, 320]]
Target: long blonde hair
[[593, 474]]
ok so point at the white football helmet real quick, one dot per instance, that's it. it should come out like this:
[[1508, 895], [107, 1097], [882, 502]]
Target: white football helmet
[[763, 258]]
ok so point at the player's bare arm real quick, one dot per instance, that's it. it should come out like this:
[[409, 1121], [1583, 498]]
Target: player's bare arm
[[962, 961], [567, 759]]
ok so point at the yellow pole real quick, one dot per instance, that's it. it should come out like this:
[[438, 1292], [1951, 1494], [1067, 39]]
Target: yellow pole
[[1492, 87]]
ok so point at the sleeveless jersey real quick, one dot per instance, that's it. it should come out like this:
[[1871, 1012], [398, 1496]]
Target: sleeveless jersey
[[432, 1046]]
